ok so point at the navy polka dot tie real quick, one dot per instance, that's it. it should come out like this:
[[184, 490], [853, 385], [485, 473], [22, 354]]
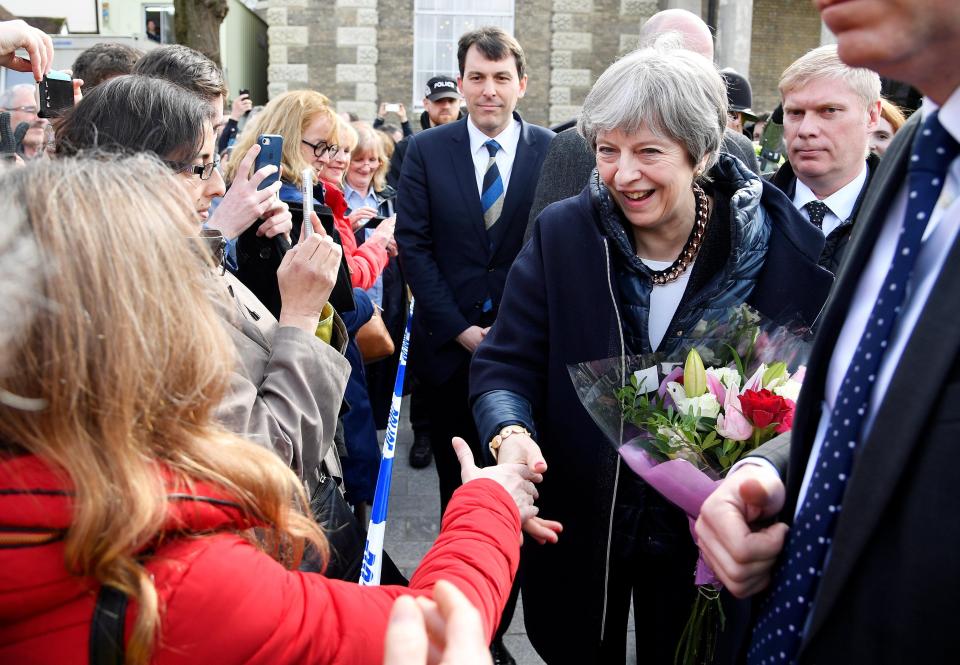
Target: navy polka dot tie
[[817, 210], [778, 631]]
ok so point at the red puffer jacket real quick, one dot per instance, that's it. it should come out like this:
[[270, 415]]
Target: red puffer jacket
[[223, 601], [365, 262]]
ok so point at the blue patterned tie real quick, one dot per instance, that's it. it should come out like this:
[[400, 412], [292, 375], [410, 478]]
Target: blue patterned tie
[[777, 634], [492, 197]]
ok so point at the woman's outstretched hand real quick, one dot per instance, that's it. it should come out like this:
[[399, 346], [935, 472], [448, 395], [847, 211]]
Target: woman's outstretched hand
[[517, 479]]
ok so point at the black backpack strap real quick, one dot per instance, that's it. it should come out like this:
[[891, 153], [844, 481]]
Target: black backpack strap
[[106, 629]]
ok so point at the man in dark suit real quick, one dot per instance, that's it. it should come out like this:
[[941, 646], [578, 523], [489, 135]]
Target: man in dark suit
[[829, 110], [465, 192], [455, 255], [866, 570]]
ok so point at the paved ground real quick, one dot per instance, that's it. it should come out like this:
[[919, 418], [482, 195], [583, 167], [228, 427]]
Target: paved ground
[[414, 521]]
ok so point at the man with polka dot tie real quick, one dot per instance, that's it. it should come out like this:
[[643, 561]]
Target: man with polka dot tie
[[859, 564], [829, 110]]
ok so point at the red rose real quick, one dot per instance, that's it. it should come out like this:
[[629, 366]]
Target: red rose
[[763, 408]]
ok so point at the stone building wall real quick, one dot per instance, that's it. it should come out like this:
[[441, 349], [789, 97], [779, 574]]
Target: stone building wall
[[531, 27], [360, 52], [782, 32], [395, 43]]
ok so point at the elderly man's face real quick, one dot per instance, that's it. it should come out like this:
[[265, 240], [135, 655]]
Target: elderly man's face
[[24, 99], [33, 139], [917, 41], [825, 126]]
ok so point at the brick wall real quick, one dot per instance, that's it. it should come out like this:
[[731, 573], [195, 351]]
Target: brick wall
[[360, 52], [531, 27], [395, 43], [782, 32]]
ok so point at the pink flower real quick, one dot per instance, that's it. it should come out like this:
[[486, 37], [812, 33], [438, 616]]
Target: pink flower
[[732, 424], [755, 382], [715, 386], [675, 376]]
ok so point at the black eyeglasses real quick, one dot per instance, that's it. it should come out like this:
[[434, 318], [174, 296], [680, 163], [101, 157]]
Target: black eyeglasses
[[203, 170], [23, 109], [322, 147]]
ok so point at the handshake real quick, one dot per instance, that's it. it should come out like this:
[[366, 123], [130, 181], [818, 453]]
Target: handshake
[[520, 465]]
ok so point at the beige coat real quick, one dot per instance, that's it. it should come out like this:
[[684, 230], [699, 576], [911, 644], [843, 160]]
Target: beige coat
[[288, 386]]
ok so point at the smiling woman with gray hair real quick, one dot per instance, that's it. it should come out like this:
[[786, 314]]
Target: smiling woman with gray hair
[[667, 232]]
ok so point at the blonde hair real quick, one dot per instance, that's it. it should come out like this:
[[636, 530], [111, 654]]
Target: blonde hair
[[371, 142], [288, 115], [892, 114], [389, 145], [823, 63], [130, 356]]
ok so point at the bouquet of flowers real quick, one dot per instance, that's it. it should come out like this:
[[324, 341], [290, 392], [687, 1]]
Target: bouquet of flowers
[[681, 421]]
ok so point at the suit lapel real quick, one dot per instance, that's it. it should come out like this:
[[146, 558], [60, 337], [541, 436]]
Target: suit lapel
[[520, 181], [466, 178], [877, 201], [897, 429]]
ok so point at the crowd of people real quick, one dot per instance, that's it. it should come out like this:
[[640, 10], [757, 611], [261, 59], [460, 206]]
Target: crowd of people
[[187, 362]]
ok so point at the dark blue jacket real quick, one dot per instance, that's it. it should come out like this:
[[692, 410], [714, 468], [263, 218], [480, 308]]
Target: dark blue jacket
[[453, 265], [563, 306]]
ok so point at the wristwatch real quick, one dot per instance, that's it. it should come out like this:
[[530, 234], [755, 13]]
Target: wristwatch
[[504, 434]]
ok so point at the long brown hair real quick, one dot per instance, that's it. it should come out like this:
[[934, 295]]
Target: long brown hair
[[130, 356]]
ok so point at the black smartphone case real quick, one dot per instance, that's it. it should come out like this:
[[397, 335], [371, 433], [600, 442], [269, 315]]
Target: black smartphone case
[[342, 296], [271, 152], [56, 96]]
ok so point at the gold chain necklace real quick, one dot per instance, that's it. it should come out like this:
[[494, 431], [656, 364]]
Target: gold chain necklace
[[692, 246]]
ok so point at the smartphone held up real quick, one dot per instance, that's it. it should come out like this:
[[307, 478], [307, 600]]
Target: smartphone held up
[[271, 152]]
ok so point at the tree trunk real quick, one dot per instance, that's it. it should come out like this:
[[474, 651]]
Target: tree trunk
[[196, 23]]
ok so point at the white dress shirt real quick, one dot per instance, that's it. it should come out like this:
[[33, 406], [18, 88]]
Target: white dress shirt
[[840, 204], [938, 239], [508, 139]]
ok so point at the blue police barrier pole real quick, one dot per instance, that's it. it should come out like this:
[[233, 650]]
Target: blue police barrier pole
[[373, 550]]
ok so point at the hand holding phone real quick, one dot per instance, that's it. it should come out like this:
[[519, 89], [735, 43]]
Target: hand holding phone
[[372, 222], [271, 152], [393, 108]]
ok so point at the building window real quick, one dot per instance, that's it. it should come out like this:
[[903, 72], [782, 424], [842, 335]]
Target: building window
[[438, 24], [158, 23]]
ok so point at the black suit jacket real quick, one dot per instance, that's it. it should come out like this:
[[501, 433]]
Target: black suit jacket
[[835, 248], [452, 263], [889, 591]]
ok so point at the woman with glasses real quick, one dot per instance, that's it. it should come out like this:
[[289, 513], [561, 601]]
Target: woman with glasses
[[286, 389], [370, 197], [311, 131]]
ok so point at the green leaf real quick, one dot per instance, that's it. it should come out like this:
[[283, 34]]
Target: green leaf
[[711, 440]]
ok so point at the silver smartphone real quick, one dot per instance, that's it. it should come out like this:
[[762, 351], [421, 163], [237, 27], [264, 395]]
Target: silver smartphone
[[306, 189]]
